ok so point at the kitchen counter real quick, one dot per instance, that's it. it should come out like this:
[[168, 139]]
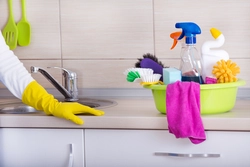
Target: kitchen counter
[[132, 113]]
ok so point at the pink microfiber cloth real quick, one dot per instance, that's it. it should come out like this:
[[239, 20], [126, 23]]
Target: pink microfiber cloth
[[183, 111]]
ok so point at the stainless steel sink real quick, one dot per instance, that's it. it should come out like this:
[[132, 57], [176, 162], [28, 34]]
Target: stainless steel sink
[[14, 106], [18, 109]]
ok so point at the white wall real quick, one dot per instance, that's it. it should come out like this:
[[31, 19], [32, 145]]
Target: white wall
[[99, 39]]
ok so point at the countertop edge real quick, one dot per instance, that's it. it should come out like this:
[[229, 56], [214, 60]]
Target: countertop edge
[[132, 113], [92, 122]]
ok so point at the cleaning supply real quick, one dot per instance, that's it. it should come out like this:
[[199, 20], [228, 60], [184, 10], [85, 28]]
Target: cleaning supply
[[151, 79], [210, 55], [144, 76], [226, 71], [171, 75], [134, 74], [211, 80], [191, 65], [183, 111], [152, 62]]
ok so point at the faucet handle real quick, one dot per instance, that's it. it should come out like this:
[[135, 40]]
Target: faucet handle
[[70, 81], [67, 73]]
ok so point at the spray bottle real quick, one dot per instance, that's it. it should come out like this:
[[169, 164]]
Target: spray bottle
[[191, 64]]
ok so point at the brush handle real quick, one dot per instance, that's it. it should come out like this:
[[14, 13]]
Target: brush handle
[[149, 63]]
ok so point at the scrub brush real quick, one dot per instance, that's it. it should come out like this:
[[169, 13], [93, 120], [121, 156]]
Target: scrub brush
[[134, 74], [151, 79], [226, 71], [152, 62]]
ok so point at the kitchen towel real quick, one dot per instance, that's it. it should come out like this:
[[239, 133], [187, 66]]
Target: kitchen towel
[[183, 111]]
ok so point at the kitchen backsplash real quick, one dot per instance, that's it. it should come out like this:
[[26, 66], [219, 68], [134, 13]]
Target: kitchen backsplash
[[100, 39]]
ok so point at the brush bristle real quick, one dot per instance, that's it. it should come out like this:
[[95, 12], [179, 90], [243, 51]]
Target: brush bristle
[[150, 56]]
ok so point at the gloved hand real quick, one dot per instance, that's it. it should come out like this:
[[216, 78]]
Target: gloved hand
[[36, 96], [21, 84]]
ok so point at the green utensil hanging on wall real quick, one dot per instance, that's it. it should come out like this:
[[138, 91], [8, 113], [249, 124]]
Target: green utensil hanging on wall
[[23, 27], [10, 32]]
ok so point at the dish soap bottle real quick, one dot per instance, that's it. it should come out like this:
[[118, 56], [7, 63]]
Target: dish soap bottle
[[211, 55], [191, 64]]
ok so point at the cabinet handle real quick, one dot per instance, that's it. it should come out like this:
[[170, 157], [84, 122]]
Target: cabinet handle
[[188, 155], [71, 156]]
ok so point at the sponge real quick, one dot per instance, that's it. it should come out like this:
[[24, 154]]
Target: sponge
[[171, 75], [226, 71]]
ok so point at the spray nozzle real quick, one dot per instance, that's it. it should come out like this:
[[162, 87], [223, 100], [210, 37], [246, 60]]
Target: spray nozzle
[[189, 29], [175, 36]]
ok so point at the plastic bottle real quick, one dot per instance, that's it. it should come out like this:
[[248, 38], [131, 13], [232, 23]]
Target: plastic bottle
[[191, 64], [211, 56]]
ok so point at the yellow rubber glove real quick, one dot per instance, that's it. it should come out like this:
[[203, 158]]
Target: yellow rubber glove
[[36, 96]]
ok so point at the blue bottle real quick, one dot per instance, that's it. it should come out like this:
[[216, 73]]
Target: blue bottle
[[191, 64]]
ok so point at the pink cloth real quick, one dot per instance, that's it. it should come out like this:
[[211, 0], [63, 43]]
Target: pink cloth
[[183, 111]]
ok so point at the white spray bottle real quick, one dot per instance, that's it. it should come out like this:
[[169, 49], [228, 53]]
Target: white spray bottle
[[209, 56]]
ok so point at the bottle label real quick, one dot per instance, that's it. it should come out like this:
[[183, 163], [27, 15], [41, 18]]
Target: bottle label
[[197, 79]]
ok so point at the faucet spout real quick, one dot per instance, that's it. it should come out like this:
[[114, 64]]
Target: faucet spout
[[70, 92]]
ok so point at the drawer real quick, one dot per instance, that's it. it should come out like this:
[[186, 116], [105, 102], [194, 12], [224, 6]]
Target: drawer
[[151, 148], [27, 147]]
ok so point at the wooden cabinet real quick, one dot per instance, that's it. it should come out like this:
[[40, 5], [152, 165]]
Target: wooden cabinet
[[41, 147], [149, 148]]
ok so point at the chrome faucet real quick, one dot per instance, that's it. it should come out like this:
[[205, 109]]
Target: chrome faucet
[[69, 91]]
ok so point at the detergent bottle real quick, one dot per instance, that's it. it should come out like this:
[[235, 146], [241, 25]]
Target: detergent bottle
[[211, 55], [191, 64]]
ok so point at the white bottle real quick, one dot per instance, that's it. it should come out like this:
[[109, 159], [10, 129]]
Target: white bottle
[[211, 56]]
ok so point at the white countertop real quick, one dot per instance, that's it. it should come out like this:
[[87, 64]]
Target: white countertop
[[132, 113]]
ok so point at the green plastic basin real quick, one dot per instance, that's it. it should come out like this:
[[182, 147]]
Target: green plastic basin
[[214, 98]]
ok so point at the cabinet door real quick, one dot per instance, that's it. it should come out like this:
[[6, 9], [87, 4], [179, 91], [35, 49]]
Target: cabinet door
[[41, 147], [159, 148]]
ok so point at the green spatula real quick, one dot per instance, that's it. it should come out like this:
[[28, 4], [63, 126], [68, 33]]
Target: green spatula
[[23, 27], [10, 32]]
